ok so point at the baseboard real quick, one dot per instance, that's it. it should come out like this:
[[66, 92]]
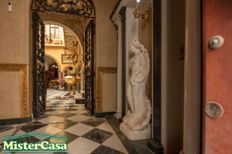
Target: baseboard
[[14, 121], [155, 146], [103, 114]]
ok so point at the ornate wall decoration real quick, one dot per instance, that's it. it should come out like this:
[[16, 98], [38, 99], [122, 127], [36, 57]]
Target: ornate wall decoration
[[144, 12], [100, 72], [71, 42], [38, 66], [22, 69], [89, 67], [69, 58], [83, 8]]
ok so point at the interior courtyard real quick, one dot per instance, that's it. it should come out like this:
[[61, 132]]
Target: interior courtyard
[[115, 76]]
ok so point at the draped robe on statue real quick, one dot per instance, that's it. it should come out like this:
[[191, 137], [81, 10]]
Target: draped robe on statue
[[136, 124]]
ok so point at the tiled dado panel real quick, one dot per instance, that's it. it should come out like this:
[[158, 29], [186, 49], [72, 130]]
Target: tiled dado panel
[[106, 96], [13, 91]]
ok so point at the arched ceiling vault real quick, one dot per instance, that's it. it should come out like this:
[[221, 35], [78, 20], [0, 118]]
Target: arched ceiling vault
[[69, 34], [49, 59], [76, 24]]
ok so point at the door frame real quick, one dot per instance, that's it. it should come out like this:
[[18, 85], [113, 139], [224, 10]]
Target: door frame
[[39, 97], [122, 13], [91, 25], [192, 133], [155, 143], [91, 17], [193, 107]]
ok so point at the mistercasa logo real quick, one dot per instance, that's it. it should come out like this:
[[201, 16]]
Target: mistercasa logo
[[13, 143]]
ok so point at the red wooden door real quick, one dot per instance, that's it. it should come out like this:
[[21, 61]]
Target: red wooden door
[[217, 20]]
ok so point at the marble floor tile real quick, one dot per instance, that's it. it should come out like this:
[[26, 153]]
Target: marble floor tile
[[97, 135], [86, 114], [48, 130], [60, 153], [19, 132], [70, 137], [94, 122], [55, 112], [50, 110], [32, 126], [30, 139], [68, 109], [78, 118], [105, 150], [79, 111], [52, 119], [6, 133], [63, 125], [43, 116], [115, 143], [62, 108], [79, 129], [82, 146], [65, 115], [5, 128], [106, 126], [19, 125]]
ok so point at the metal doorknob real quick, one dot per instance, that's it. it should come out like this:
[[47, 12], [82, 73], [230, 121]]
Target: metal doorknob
[[214, 110], [216, 42]]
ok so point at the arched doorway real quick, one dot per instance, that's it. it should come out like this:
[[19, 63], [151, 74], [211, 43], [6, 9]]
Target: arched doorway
[[83, 10]]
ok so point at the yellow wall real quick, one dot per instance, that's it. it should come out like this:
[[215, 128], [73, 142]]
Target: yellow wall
[[106, 35], [106, 56], [14, 32], [15, 48]]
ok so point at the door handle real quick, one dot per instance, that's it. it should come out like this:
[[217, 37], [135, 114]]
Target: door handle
[[216, 42], [214, 110]]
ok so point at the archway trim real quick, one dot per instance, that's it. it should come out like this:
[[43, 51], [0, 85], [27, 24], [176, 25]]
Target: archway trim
[[82, 8], [53, 58]]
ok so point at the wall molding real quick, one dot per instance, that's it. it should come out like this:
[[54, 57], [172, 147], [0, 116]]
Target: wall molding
[[99, 94], [22, 69]]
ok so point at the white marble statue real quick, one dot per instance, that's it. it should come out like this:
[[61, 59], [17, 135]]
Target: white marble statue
[[136, 124]]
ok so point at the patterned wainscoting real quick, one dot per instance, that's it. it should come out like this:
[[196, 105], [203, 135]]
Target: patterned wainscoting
[[106, 95], [18, 78]]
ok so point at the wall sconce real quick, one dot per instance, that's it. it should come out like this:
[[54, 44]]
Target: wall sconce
[[145, 14]]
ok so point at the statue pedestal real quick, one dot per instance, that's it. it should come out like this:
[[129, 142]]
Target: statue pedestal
[[135, 134]]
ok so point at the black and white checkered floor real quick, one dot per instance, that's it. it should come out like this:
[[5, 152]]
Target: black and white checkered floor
[[85, 134]]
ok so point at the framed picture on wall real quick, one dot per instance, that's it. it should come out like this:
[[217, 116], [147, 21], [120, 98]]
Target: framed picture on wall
[[66, 59]]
